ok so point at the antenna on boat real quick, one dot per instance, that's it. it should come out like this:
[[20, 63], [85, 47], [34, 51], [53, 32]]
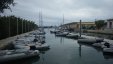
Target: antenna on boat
[[40, 20], [63, 23], [63, 18], [80, 28], [80, 49]]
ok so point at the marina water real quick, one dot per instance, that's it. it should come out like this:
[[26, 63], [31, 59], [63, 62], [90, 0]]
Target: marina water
[[68, 51]]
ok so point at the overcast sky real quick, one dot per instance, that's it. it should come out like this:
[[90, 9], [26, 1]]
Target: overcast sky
[[53, 10]]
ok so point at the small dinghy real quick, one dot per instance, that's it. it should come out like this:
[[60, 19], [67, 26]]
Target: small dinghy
[[40, 33], [55, 31], [52, 31], [99, 39], [11, 55], [90, 40], [40, 46], [21, 47], [87, 41], [72, 35], [61, 34], [99, 44], [107, 45], [108, 50]]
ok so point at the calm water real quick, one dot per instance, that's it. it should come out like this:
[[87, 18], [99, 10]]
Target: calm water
[[68, 51]]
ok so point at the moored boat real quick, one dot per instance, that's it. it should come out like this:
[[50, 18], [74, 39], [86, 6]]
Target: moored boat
[[61, 34], [11, 55], [108, 51], [90, 40], [72, 35], [42, 46]]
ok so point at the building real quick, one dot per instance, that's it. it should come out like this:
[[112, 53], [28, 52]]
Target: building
[[86, 25], [110, 24], [70, 25], [75, 26]]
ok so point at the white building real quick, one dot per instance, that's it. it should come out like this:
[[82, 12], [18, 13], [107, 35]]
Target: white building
[[110, 24]]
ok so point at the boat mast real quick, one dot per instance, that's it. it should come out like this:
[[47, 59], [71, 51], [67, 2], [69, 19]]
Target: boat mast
[[63, 23], [80, 48], [80, 28], [63, 19], [40, 21]]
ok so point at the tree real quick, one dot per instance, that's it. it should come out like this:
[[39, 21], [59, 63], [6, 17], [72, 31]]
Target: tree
[[99, 24], [92, 27], [4, 26], [84, 27], [5, 4]]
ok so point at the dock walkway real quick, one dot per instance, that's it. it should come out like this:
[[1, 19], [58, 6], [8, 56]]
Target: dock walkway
[[6, 41]]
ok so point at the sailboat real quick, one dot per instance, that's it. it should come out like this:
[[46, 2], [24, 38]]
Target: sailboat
[[62, 32], [73, 35], [41, 45], [41, 28]]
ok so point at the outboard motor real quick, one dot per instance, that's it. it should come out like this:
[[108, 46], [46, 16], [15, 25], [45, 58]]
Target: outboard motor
[[32, 47], [35, 40], [107, 44]]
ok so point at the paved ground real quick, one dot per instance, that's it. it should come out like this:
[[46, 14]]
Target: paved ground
[[101, 31], [6, 41]]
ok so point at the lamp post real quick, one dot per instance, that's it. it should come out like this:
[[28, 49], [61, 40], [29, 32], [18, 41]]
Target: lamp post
[[80, 28], [17, 26], [25, 26], [9, 26], [22, 26]]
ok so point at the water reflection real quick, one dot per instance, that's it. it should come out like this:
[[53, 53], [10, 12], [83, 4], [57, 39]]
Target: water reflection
[[42, 58], [80, 50], [44, 51], [61, 40], [96, 48], [68, 51], [106, 56]]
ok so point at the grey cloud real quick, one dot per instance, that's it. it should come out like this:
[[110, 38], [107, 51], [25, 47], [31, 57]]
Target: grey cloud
[[53, 10]]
